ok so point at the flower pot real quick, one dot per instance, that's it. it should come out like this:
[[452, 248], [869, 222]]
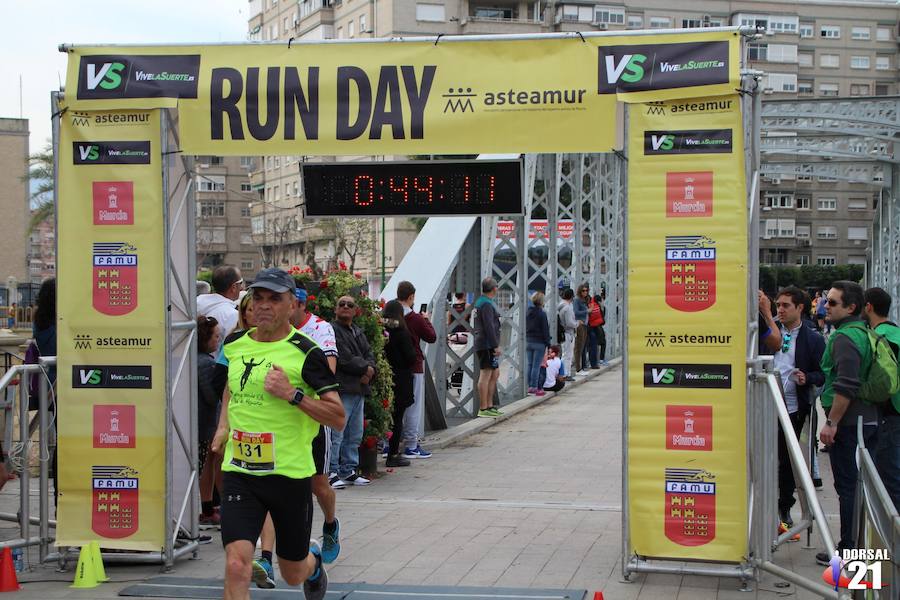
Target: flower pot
[[368, 460]]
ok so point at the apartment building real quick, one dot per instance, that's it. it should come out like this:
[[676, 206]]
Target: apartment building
[[808, 49], [224, 199], [14, 198]]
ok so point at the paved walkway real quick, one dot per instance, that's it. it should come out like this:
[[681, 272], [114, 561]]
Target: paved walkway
[[531, 501]]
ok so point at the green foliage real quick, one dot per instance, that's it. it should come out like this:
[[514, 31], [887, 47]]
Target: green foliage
[[323, 297], [40, 168], [815, 277], [205, 275]]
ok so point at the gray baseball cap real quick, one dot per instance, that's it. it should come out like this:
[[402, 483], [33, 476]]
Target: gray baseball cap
[[274, 279]]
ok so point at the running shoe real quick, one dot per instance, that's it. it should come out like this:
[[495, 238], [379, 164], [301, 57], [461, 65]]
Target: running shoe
[[417, 452], [540, 393], [783, 528], [263, 574], [496, 412], [486, 412], [396, 461], [356, 479], [817, 483], [315, 587], [823, 558], [211, 521], [331, 542], [336, 482]]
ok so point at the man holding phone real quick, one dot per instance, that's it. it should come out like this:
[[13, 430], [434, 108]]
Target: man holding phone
[[420, 329]]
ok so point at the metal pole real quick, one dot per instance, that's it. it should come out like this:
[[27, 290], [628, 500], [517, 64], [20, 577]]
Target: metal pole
[[610, 294], [383, 253], [45, 458], [165, 158]]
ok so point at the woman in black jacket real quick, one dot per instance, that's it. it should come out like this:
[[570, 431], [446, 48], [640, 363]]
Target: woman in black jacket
[[401, 355], [208, 335]]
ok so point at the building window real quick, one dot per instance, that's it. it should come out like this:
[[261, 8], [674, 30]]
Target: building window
[[351, 29], [827, 232], [857, 233], [859, 89], [882, 89], [771, 228], [882, 63], [213, 235], [245, 212], [495, 13], [860, 33], [758, 52], [603, 14], [211, 183], [780, 82], [691, 23], [786, 228], [828, 89], [805, 88], [802, 232], [779, 200], [856, 260], [783, 24], [806, 30], [340, 32], [212, 208], [825, 261], [246, 187], [830, 31], [276, 161], [859, 62], [284, 24], [802, 259], [246, 265], [883, 34], [635, 22], [246, 239], [830, 61], [660, 23], [857, 204], [805, 59], [430, 12], [362, 24], [297, 188], [803, 202], [826, 203], [248, 162]]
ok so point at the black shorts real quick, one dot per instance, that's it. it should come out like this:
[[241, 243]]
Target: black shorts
[[321, 449], [487, 359], [247, 498]]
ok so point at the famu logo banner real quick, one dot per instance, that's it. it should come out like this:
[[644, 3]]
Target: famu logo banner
[[153, 76], [700, 141], [644, 67]]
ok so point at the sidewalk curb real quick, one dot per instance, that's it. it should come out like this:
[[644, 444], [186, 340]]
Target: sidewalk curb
[[448, 437]]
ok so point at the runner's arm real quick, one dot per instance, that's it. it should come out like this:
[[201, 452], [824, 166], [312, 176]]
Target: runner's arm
[[218, 443], [327, 410]]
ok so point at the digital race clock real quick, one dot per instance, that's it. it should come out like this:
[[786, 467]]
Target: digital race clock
[[428, 188]]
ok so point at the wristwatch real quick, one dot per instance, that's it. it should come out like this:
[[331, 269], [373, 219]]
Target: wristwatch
[[828, 423], [297, 399]]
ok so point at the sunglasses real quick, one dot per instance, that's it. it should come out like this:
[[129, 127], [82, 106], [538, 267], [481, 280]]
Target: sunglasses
[[345, 304], [831, 302], [239, 282], [785, 342]]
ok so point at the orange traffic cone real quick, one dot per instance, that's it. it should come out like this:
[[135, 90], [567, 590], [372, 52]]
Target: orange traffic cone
[[8, 581], [598, 595]]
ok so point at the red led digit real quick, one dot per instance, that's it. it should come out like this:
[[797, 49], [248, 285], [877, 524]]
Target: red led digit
[[427, 189], [404, 190], [369, 193], [486, 186], [466, 186]]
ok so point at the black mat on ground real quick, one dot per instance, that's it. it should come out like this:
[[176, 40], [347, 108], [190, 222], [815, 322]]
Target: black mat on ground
[[186, 587]]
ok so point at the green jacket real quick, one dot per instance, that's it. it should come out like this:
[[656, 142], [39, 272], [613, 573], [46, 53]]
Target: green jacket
[[892, 333], [846, 383]]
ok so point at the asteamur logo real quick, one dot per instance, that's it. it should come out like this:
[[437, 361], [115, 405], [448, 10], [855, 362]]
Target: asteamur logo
[[642, 67]]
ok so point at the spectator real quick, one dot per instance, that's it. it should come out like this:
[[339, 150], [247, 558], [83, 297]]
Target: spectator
[[596, 335], [554, 382], [227, 284], [570, 325], [486, 323], [458, 306], [44, 333], [820, 313], [769, 334], [401, 355], [203, 287], [208, 398], [580, 308], [887, 453], [797, 361], [847, 354], [537, 338], [418, 324], [355, 369]]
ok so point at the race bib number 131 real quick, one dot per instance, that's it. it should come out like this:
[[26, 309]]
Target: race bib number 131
[[253, 451]]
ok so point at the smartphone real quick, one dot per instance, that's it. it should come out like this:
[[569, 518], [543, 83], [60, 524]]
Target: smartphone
[[423, 308]]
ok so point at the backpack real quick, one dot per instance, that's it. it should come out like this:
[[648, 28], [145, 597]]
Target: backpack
[[32, 357], [883, 379]]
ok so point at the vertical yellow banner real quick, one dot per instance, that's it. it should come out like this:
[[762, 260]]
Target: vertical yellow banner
[[687, 290], [111, 405]]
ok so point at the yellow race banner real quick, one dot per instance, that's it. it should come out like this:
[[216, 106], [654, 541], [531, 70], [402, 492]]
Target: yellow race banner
[[111, 369], [687, 313], [545, 94]]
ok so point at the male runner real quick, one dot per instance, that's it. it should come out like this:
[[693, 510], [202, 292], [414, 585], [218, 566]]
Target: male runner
[[268, 421], [322, 333]]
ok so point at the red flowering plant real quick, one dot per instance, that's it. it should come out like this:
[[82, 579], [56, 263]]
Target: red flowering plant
[[323, 296]]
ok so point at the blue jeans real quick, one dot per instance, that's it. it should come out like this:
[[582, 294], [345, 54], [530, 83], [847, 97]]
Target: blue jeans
[[534, 357], [591, 347], [843, 467], [345, 444], [887, 456]]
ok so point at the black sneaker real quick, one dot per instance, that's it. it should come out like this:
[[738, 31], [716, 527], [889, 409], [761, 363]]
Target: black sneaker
[[356, 479], [823, 558], [817, 483], [315, 589], [397, 461], [785, 515]]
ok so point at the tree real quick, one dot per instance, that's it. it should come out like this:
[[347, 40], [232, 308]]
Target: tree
[[40, 169], [354, 238]]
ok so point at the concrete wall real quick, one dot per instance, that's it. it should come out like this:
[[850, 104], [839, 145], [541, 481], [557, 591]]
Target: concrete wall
[[14, 199]]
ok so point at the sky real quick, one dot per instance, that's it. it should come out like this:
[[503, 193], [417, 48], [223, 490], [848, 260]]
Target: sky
[[35, 28]]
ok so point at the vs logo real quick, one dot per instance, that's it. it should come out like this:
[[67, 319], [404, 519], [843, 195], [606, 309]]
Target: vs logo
[[664, 376], [91, 377], [107, 77], [88, 152], [662, 142], [630, 68]]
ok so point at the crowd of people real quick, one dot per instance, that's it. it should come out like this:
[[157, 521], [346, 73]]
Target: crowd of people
[[836, 348]]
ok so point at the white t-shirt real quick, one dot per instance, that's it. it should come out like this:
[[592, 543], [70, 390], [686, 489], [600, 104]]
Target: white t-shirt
[[221, 309], [553, 367], [321, 332], [786, 362]]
